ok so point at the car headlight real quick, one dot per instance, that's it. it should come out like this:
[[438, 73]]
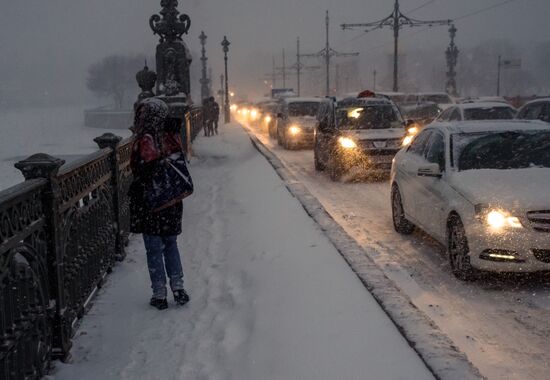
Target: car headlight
[[499, 219], [294, 130], [347, 143], [408, 140], [267, 119], [413, 129]]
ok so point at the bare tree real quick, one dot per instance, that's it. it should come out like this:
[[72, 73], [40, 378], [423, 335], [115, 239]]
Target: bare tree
[[114, 76]]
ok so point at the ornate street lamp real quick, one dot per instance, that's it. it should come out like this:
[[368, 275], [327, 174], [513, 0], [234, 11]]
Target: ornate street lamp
[[205, 80], [227, 111], [452, 60]]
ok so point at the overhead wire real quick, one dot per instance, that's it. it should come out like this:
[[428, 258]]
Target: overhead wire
[[467, 15]]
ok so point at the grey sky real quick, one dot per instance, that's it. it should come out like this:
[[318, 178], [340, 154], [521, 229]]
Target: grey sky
[[52, 42]]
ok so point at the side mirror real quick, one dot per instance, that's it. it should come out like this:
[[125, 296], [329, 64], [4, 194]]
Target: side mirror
[[430, 170]]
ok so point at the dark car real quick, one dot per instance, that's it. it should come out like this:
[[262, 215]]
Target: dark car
[[296, 122], [536, 110], [363, 133], [268, 116]]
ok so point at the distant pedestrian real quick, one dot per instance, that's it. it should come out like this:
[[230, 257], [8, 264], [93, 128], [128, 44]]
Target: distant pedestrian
[[208, 115], [215, 113], [160, 227]]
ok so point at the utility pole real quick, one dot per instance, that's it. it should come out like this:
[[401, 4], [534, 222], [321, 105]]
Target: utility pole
[[337, 79], [374, 80], [396, 21], [328, 53], [452, 60], [284, 69], [205, 81], [498, 74], [225, 45], [299, 67], [280, 72], [222, 90]]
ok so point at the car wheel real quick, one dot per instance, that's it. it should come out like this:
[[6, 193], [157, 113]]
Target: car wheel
[[458, 250], [318, 164], [400, 223], [335, 169]]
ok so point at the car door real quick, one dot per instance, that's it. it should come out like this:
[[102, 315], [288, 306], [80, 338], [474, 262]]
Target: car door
[[545, 113], [407, 172], [433, 191]]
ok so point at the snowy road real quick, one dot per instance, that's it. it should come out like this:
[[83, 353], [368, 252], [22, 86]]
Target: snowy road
[[272, 299], [502, 324]]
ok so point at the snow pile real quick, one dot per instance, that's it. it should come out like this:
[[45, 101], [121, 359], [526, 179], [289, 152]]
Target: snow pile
[[271, 298]]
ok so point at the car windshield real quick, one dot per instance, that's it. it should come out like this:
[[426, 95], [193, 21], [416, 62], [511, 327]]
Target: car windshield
[[303, 109], [438, 99], [501, 150], [368, 117], [489, 113]]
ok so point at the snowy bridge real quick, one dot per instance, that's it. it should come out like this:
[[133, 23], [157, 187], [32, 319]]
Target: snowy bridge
[[272, 298]]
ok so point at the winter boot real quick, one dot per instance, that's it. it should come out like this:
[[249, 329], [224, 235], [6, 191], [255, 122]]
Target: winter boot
[[181, 297], [161, 304]]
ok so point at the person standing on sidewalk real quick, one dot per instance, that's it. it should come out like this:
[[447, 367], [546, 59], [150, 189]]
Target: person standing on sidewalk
[[215, 114], [160, 229]]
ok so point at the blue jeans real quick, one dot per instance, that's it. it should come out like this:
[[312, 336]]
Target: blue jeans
[[162, 252]]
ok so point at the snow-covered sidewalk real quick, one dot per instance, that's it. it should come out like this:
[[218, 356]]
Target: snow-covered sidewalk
[[271, 296]]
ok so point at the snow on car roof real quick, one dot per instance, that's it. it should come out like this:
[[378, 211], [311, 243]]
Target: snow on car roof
[[363, 101], [541, 100], [390, 93], [491, 126], [475, 105], [431, 93], [304, 100]]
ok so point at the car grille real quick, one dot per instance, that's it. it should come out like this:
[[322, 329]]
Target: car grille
[[381, 144], [540, 220]]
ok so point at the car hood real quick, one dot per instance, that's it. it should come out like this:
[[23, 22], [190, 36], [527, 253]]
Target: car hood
[[376, 134], [517, 189]]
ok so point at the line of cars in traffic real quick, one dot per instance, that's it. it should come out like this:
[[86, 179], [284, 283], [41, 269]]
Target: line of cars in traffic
[[476, 179]]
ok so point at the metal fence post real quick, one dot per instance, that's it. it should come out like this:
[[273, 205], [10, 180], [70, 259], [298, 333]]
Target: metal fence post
[[109, 140], [45, 166]]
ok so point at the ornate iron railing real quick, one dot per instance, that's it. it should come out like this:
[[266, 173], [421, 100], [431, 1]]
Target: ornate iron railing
[[25, 312], [61, 232]]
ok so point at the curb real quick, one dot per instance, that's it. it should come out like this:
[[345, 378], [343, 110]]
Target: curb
[[435, 349]]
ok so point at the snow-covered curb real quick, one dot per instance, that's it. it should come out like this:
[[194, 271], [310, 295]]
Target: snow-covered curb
[[437, 351]]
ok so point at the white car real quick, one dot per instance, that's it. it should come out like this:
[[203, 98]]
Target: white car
[[442, 99], [480, 188], [478, 111]]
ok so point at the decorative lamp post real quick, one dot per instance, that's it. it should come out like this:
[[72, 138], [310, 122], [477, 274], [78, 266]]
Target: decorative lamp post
[[205, 81], [227, 111], [146, 80], [452, 60]]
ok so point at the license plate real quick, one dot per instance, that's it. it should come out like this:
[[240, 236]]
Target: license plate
[[380, 144]]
